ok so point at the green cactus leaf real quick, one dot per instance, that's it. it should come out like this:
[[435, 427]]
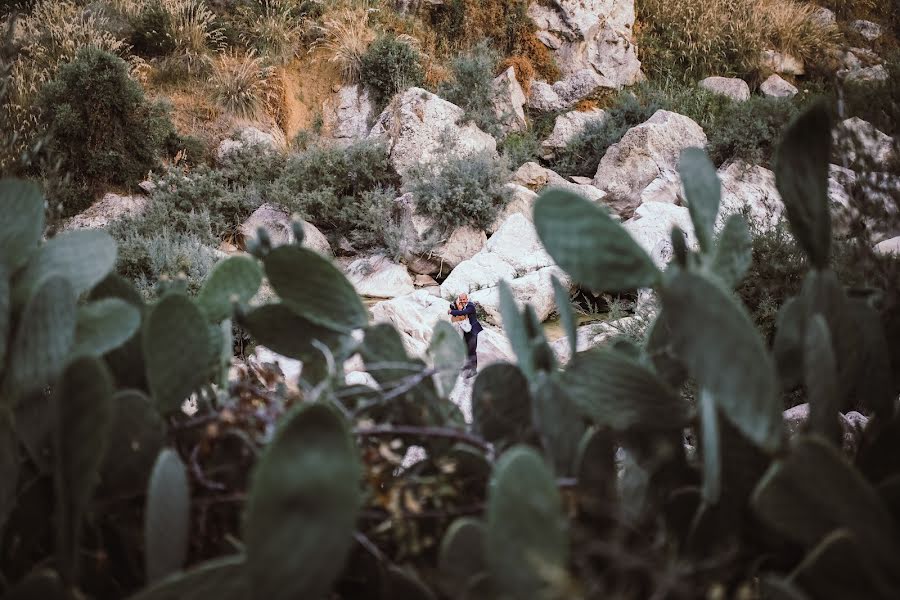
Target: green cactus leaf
[[166, 517], [618, 391], [595, 469], [280, 329], [787, 347], [43, 338], [104, 325], [385, 357], [566, 316], [589, 245], [84, 415], [136, 438], [814, 490], [236, 278], [665, 361], [716, 340], [703, 192], [302, 508], [876, 379], [448, 354], [821, 381], [220, 579], [734, 251], [709, 438], [22, 223], [526, 540], [178, 350], [516, 330], [310, 285], [5, 316], [461, 555], [501, 404], [558, 421], [126, 361], [9, 466], [801, 176], [836, 570], [84, 257]]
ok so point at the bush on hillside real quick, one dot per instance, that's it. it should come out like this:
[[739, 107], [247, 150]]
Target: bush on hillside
[[151, 30], [275, 29], [460, 190], [339, 190], [244, 86], [471, 86], [390, 65], [104, 131]]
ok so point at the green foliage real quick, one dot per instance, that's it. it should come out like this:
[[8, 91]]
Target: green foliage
[[471, 86], [305, 497], [574, 479], [166, 517], [460, 190], [105, 131], [390, 65], [151, 30]]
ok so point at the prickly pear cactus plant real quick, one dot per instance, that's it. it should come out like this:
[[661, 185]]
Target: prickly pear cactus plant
[[659, 469]]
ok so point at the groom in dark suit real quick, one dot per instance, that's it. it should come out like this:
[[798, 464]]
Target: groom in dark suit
[[463, 308]]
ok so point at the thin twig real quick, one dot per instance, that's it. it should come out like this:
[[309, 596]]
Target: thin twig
[[201, 477]]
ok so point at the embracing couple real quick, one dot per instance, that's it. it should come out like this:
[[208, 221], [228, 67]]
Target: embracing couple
[[462, 314]]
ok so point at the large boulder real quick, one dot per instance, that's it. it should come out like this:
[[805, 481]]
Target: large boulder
[[245, 138], [565, 93], [414, 315], [106, 210], [750, 189], [536, 178], [509, 101], [590, 34], [419, 127], [379, 277], [535, 288], [278, 224], [651, 227], [731, 87], [890, 246], [514, 254], [347, 114], [424, 254], [776, 87], [853, 425], [867, 29], [568, 126], [875, 74], [860, 143], [646, 153], [771, 61], [521, 201]]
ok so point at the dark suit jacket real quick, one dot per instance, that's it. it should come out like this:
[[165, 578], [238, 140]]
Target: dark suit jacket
[[469, 311]]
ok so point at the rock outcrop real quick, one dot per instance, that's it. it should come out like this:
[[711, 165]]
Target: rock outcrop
[[106, 210], [647, 154], [535, 177], [414, 315], [418, 127], [379, 277], [651, 228], [776, 87], [731, 87], [245, 138], [863, 145], [509, 102], [778, 62], [347, 114], [277, 223], [568, 126]]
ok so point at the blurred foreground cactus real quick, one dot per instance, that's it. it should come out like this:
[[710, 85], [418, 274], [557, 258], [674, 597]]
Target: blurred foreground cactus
[[571, 482]]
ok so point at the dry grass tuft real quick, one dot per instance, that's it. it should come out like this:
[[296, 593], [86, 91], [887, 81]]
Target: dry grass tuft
[[345, 36], [524, 70], [194, 29], [243, 87], [273, 29], [725, 37]]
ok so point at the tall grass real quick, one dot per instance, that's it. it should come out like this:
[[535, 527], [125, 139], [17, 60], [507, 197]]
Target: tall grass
[[243, 86], [345, 36], [275, 29], [725, 37]]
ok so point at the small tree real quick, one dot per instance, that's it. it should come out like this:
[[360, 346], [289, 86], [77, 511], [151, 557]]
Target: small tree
[[104, 130]]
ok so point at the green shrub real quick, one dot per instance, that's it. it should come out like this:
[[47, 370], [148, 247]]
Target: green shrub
[[104, 131], [339, 190], [148, 259], [471, 86], [457, 191], [151, 31], [390, 65], [519, 148], [750, 130]]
